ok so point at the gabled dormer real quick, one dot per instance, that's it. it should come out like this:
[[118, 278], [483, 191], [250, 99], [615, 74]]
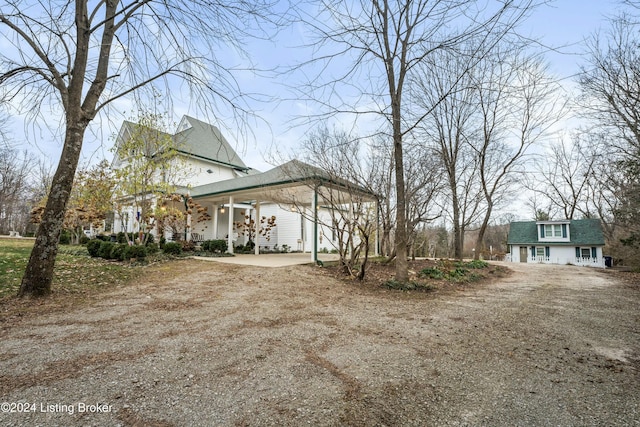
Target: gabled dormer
[[553, 231]]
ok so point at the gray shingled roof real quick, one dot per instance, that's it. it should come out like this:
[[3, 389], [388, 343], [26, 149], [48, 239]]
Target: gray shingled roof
[[293, 171], [585, 232], [206, 141]]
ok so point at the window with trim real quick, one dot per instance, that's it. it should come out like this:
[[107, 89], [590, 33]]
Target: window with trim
[[585, 252], [553, 230], [539, 251]]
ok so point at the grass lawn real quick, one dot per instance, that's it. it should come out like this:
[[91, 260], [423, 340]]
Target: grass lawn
[[75, 271]]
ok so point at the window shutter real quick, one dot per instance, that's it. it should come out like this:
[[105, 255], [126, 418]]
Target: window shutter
[[542, 230], [546, 251], [564, 230], [533, 251], [594, 254], [577, 252]]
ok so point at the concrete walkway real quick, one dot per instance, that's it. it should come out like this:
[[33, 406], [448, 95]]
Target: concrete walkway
[[270, 260]]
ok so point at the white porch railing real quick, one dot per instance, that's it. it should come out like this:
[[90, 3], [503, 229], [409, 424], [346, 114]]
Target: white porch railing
[[580, 261], [539, 259], [589, 261]]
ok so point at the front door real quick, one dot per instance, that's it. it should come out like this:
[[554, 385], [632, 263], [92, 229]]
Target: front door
[[523, 254]]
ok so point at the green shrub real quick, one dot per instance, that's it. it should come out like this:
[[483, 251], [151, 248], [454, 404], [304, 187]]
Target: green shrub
[[93, 247], [136, 251], [217, 246], [162, 241], [475, 264], [84, 240], [432, 273], [105, 250], [118, 251], [121, 237], [149, 239], [457, 273], [152, 248], [65, 238], [172, 248]]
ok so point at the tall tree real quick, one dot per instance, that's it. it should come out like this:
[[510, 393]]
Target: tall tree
[[386, 40], [518, 104], [610, 83], [81, 56], [446, 91]]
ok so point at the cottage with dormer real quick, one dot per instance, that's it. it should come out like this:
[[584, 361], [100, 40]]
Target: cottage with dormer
[[577, 242]]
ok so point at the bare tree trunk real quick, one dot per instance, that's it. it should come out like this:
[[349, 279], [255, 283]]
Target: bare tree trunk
[[483, 229], [39, 272], [402, 264], [457, 228]]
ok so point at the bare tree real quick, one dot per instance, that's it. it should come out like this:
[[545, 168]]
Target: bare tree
[[382, 179], [610, 84], [449, 128], [561, 176], [15, 169], [352, 214], [423, 189], [386, 41], [518, 104], [81, 56]]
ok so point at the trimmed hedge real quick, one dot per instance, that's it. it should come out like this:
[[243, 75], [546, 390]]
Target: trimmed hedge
[[172, 248], [105, 250], [118, 251], [93, 247], [219, 246], [136, 251]]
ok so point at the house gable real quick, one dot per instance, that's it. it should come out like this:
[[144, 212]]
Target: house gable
[[205, 141]]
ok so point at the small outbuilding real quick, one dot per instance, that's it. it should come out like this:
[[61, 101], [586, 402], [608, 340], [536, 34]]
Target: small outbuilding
[[577, 242]]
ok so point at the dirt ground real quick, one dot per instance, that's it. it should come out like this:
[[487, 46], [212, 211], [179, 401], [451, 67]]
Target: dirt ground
[[207, 344]]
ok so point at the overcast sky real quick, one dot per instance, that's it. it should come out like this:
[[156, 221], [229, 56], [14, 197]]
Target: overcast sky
[[563, 25]]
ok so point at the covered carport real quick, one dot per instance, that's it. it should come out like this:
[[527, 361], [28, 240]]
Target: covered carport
[[294, 183]]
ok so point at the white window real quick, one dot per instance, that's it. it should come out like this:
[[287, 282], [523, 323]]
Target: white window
[[585, 252], [553, 230], [539, 251]]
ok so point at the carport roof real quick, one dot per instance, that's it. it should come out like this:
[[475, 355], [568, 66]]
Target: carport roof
[[291, 174]]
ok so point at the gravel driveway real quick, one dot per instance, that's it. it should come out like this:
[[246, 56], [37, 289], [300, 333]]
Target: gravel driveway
[[207, 344]]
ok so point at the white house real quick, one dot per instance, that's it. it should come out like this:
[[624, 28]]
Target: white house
[[300, 196], [577, 242]]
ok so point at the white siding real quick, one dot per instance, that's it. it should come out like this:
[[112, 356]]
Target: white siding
[[196, 171], [560, 255]]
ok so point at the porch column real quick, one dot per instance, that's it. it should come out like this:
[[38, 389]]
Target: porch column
[[215, 221], [256, 238], [187, 229], [314, 210], [230, 227]]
